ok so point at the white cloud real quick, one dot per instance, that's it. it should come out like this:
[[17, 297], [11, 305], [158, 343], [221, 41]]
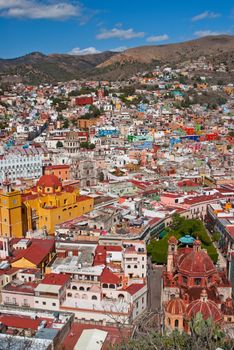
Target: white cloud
[[119, 33], [205, 15], [157, 38], [119, 49], [37, 10], [87, 51], [202, 33]]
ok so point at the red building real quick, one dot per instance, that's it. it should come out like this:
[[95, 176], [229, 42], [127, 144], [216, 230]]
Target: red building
[[84, 100], [191, 285]]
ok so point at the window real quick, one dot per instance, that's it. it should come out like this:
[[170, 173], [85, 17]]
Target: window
[[54, 304], [185, 280], [120, 296], [75, 287], [94, 297], [176, 323], [36, 301], [44, 303], [197, 281], [143, 266], [81, 288], [105, 285], [129, 266], [135, 266], [112, 286]]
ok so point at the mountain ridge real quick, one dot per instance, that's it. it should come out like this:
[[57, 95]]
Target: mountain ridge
[[37, 67]]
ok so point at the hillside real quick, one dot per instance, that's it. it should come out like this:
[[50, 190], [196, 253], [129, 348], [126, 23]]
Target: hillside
[[207, 46], [36, 67]]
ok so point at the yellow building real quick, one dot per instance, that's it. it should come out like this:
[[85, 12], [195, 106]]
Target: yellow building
[[50, 203], [38, 254], [10, 212], [42, 207]]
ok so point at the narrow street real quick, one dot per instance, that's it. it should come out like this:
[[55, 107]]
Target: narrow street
[[221, 260], [154, 286]]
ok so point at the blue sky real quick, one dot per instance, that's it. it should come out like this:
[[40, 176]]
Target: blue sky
[[90, 26]]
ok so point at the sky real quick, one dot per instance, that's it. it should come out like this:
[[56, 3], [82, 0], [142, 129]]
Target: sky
[[92, 26]]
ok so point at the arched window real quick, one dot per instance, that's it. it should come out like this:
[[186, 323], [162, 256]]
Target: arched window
[[94, 297], [88, 289], [169, 321], [81, 288], [112, 286], [176, 323], [172, 296], [74, 287], [105, 285], [69, 294], [121, 296], [129, 266], [135, 266]]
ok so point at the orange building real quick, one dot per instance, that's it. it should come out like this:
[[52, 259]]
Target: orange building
[[61, 171], [87, 123]]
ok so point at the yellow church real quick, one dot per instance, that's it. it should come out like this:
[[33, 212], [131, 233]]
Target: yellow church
[[42, 207]]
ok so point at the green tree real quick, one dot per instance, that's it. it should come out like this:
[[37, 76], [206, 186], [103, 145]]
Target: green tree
[[66, 124], [59, 144], [205, 335]]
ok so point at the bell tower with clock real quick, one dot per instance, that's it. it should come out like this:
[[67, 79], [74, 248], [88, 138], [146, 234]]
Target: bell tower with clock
[[10, 211]]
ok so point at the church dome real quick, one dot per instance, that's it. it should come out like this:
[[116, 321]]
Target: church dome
[[206, 307], [49, 184], [176, 307], [197, 262], [49, 181]]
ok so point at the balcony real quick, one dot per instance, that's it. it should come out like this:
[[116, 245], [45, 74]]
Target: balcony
[[10, 303]]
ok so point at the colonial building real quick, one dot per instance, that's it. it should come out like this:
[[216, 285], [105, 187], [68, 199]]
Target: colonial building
[[72, 144], [41, 207], [85, 171], [50, 203], [191, 285], [28, 167]]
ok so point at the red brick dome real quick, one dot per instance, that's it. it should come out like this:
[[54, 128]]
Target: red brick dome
[[49, 181], [206, 307], [196, 263], [176, 307]]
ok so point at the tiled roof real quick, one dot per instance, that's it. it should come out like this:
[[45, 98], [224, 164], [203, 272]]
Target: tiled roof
[[108, 276], [134, 288], [55, 279], [20, 322], [36, 252]]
